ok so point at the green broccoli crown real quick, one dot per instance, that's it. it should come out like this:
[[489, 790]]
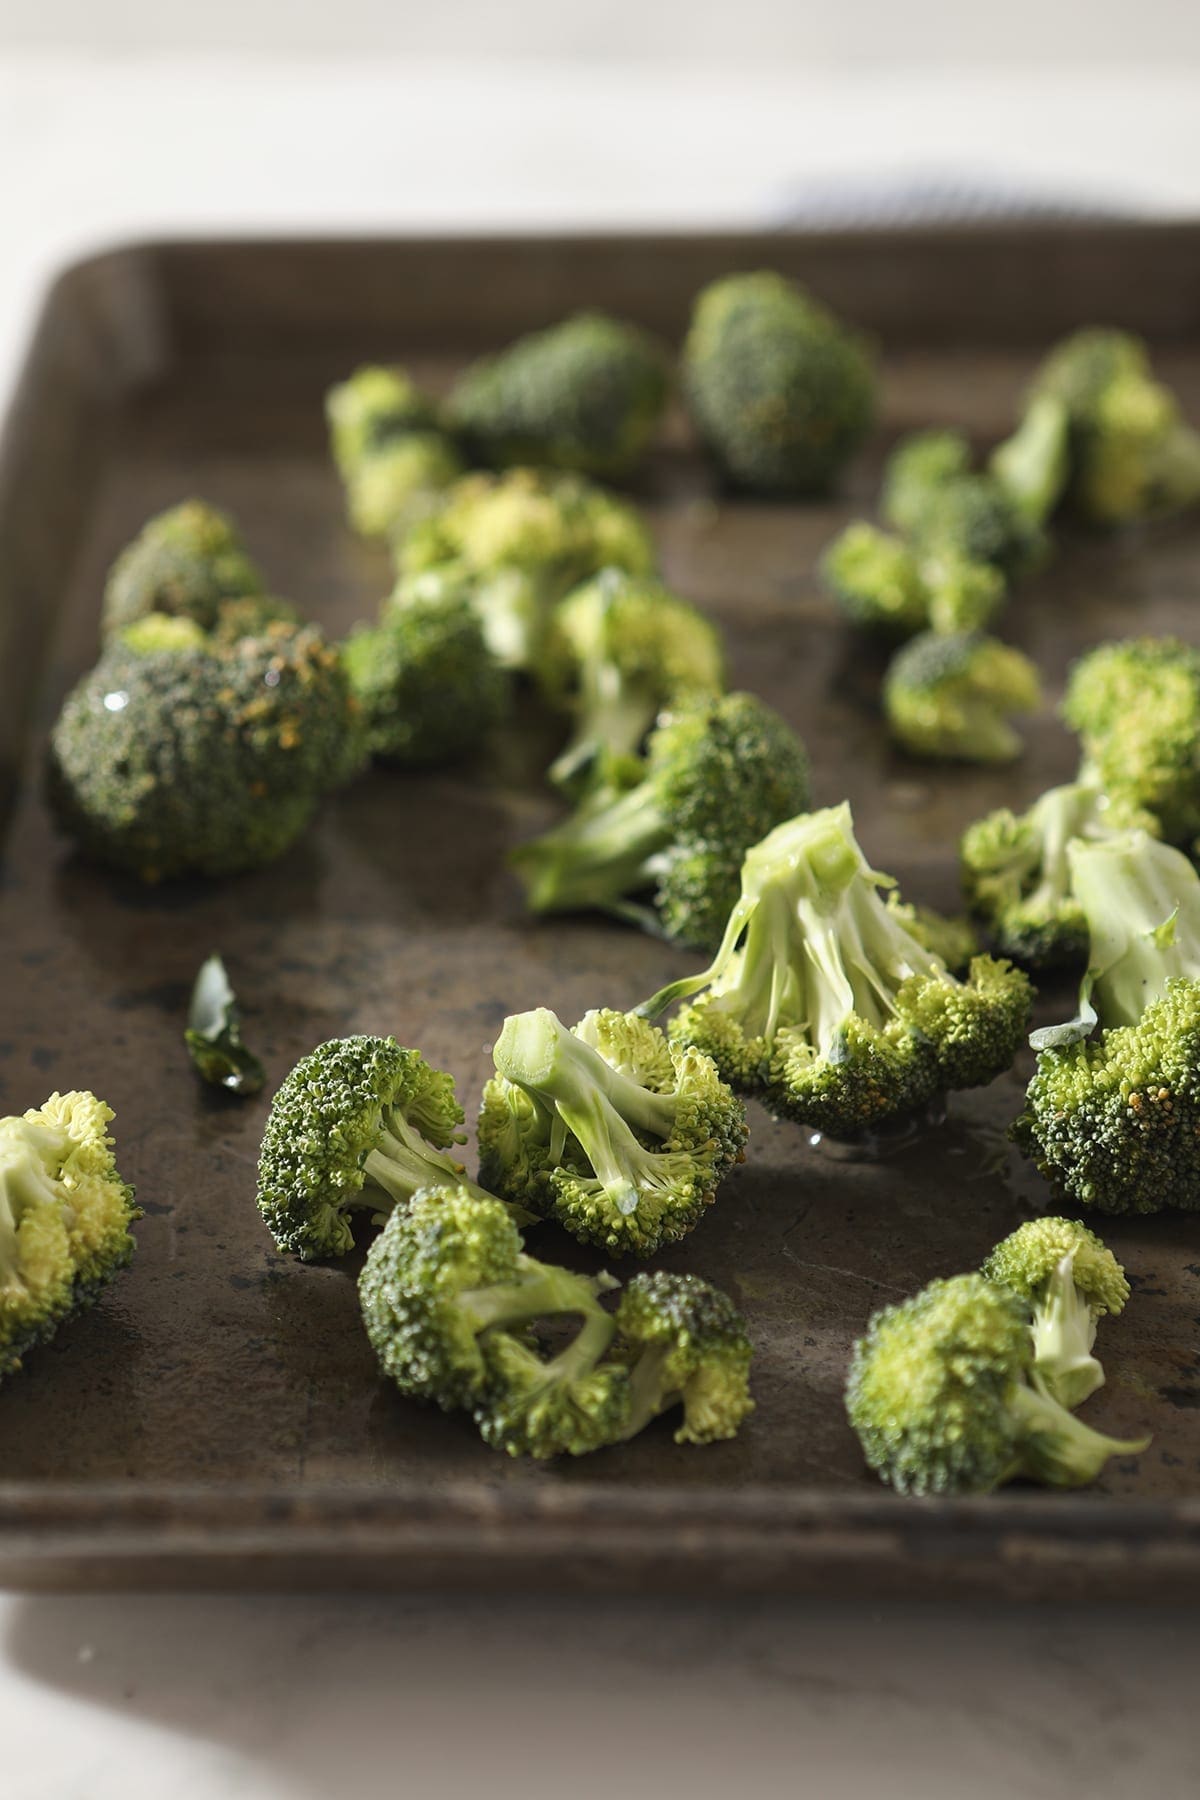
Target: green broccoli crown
[[685, 1344], [185, 561], [1017, 875], [943, 1396], [360, 1123], [65, 1215], [586, 394], [780, 391], [917, 469], [251, 616], [172, 762], [1136, 707], [620, 649], [428, 686], [876, 581], [373, 410], [973, 517], [1033, 466], [1028, 1260], [821, 999], [447, 1296], [951, 697], [719, 774], [396, 485], [619, 1136]]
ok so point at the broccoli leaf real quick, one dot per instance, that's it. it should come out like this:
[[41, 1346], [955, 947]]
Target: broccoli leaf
[[214, 1034]]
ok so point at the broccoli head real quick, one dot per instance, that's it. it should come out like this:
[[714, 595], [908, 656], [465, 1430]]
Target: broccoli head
[[390, 449], [203, 761], [619, 1136], [1136, 707], [685, 1344], [971, 522], [428, 686], [187, 561], [65, 1215], [945, 1399], [876, 581], [1070, 1279], [373, 409], [718, 775], [823, 1002], [780, 391], [621, 649], [1017, 875], [917, 469], [950, 697], [586, 394]]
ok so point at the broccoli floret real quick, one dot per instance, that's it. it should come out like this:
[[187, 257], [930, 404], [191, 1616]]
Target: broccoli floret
[[448, 1296], [204, 761], [1017, 875], [944, 1397], [718, 775], [919, 466], [1136, 707], [621, 649], [252, 616], [586, 394], [389, 446], [685, 1344], [515, 545], [373, 409], [780, 391], [950, 697], [429, 688], [955, 940], [186, 561], [971, 523], [359, 1124], [1131, 454], [1070, 1279], [876, 581], [1034, 464], [619, 1136], [1113, 1121], [65, 1215], [821, 1001]]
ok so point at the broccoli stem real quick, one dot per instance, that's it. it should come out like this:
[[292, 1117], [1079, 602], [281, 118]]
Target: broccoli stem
[[542, 1292], [612, 723], [1033, 465], [1064, 1330], [401, 1162], [1141, 900], [646, 1393], [1055, 1446], [597, 856]]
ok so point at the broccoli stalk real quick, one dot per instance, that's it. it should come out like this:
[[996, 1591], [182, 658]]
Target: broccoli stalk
[[1070, 1279], [1141, 900], [1033, 465]]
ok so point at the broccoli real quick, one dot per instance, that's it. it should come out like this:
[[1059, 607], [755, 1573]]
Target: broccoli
[[876, 581], [1136, 707], [390, 449], [822, 1002], [586, 394], [621, 649], [685, 1344], [1033, 465], [187, 561], [255, 615], [359, 1124], [1113, 1120], [950, 697], [955, 940], [1131, 455], [428, 686], [970, 523], [781, 393], [514, 545], [65, 1215], [373, 409], [1017, 875], [665, 853], [917, 469], [1070, 1279], [619, 1136], [448, 1296], [945, 1398], [208, 761]]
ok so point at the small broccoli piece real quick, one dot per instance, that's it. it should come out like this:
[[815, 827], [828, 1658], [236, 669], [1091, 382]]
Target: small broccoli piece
[[1070, 1279], [945, 1399], [876, 581], [373, 409], [162, 631], [972, 523], [1017, 875], [515, 545], [586, 394], [1132, 456], [1034, 464], [186, 562], [719, 774], [622, 648], [620, 1137], [950, 697], [390, 449], [780, 391], [821, 1000], [448, 1296], [359, 1124], [1113, 1121], [429, 688], [65, 1215], [1136, 707], [187, 761], [255, 615], [685, 1344], [918, 468]]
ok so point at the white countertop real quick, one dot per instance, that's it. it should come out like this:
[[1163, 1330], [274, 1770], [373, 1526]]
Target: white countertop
[[303, 1699]]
